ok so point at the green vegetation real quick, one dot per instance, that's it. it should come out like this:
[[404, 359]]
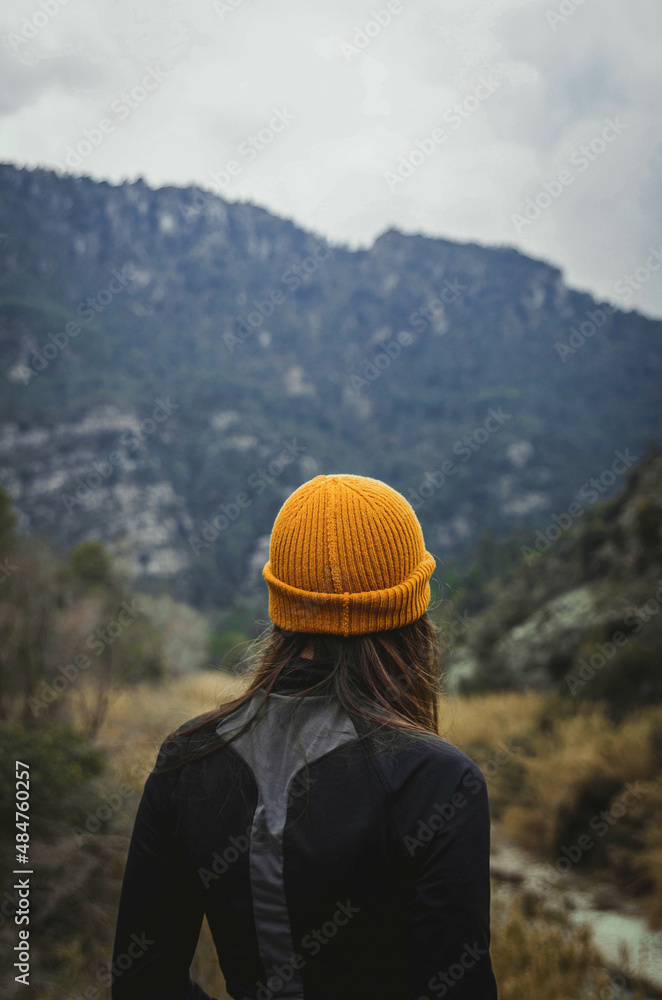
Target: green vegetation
[[582, 617], [580, 792], [69, 631], [73, 638], [92, 671], [183, 322], [61, 762]]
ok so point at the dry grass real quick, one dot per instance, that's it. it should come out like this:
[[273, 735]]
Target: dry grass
[[486, 719], [140, 717], [555, 757], [536, 752], [535, 951]]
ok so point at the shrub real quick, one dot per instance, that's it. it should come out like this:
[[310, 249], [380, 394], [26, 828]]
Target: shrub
[[538, 952], [62, 763]]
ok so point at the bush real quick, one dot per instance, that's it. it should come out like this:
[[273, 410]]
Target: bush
[[632, 678], [92, 563], [228, 648], [575, 816], [62, 763], [538, 952]]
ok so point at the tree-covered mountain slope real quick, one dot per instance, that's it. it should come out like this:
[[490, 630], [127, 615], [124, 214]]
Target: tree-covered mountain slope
[[174, 365], [582, 612]]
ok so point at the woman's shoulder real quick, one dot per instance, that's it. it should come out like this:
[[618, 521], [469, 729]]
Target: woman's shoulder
[[180, 743], [196, 720], [437, 749], [428, 756]]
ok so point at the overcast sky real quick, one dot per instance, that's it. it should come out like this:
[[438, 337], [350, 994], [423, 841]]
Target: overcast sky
[[529, 123]]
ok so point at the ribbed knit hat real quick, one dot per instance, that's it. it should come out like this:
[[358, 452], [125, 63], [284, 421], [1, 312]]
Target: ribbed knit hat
[[347, 556]]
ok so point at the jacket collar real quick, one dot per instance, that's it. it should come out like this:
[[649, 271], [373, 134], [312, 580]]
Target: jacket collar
[[301, 673]]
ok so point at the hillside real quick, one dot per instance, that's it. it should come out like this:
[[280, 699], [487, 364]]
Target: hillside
[[175, 364], [582, 612]]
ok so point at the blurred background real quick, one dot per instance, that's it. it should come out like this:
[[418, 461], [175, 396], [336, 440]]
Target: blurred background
[[242, 245]]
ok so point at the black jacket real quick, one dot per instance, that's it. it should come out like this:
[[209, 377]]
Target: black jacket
[[363, 875]]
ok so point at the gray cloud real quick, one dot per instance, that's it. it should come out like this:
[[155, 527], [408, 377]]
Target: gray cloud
[[361, 96], [21, 85]]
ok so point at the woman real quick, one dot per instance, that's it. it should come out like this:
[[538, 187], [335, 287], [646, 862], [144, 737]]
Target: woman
[[337, 844]]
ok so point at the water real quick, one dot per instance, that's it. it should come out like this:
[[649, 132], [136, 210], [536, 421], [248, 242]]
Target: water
[[614, 921], [610, 930]]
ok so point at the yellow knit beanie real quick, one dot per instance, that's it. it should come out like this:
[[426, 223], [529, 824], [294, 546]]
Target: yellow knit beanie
[[347, 556]]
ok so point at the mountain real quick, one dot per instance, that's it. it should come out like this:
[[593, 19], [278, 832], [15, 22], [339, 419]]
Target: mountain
[[581, 615], [176, 364]]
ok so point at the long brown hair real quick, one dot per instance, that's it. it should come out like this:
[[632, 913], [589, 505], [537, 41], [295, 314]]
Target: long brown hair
[[390, 679]]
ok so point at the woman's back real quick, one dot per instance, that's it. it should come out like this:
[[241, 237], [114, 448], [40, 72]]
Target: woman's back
[[365, 876], [337, 844]]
